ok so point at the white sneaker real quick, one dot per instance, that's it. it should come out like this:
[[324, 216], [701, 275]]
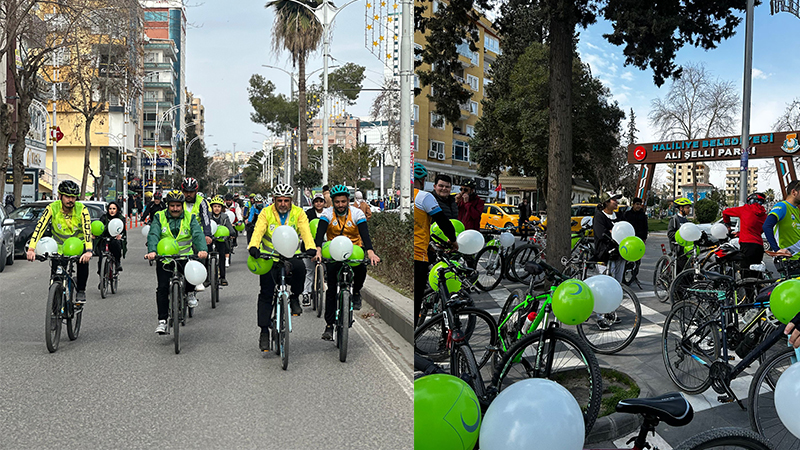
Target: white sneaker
[[162, 327], [200, 288], [192, 300], [227, 262]]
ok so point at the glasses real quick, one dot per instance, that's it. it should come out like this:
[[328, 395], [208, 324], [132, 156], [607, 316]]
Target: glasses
[[283, 200]]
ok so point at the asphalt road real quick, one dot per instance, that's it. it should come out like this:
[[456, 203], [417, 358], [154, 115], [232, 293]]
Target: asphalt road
[[119, 385]]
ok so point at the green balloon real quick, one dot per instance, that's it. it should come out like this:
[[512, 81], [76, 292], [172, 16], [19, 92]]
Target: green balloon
[[167, 246], [222, 231], [73, 247], [436, 231], [357, 255], [784, 301], [98, 227], [259, 266], [326, 250], [458, 225], [451, 280], [447, 415], [573, 302], [313, 225], [631, 248], [239, 227]]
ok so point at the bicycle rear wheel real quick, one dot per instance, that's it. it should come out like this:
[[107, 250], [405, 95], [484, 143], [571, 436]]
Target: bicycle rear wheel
[[427, 308], [319, 289], [489, 263], [560, 356], [690, 344], [283, 330], [464, 365], [104, 278], [624, 323], [343, 324], [727, 438], [214, 280], [175, 302], [518, 259], [74, 314], [52, 321], [678, 289], [761, 402], [480, 330], [511, 325], [661, 278], [113, 277]]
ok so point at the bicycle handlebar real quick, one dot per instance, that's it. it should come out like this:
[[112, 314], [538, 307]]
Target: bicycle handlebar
[[56, 256]]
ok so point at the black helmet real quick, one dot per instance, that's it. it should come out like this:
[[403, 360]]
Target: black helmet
[[189, 185], [757, 197], [174, 196], [158, 195], [228, 196], [69, 187]]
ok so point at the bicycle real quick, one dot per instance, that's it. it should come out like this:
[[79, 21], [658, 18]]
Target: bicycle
[[491, 262], [213, 276], [61, 306], [178, 303], [666, 268], [109, 277], [344, 306], [534, 233], [318, 289]]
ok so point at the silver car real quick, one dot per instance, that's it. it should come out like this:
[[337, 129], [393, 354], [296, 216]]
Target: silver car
[[6, 240]]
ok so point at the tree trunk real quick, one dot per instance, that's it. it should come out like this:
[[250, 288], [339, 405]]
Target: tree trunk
[[18, 152], [301, 102], [87, 136], [5, 135], [559, 161]]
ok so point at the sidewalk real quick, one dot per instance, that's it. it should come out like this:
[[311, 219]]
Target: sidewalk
[[394, 308]]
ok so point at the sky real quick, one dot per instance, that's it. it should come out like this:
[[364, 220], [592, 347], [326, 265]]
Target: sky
[[228, 41], [775, 79]]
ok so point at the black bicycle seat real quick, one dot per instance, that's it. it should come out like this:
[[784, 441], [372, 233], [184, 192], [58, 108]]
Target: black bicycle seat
[[532, 268], [672, 409], [713, 276]]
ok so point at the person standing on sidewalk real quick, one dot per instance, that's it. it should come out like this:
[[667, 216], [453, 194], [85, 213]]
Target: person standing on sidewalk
[[470, 206], [606, 249], [638, 218], [524, 212], [442, 185], [751, 222]]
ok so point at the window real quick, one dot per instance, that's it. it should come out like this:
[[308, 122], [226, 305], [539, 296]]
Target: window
[[460, 150], [491, 44], [473, 82], [416, 142], [464, 50], [436, 151], [475, 59], [470, 131], [417, 50], [473, 107], [416, 113], [156, 16], [437, 121], [416, 82]]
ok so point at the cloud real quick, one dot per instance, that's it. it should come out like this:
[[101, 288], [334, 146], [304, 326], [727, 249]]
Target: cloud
[[592, 46], [627, 75], [760, 75]]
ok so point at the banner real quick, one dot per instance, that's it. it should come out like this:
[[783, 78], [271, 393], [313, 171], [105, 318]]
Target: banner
[[764, 145]]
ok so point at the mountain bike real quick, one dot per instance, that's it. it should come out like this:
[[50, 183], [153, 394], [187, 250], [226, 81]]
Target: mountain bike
[[178, 302], [318, 289], [61, 306], [666, 268], [109, 277], [491, 262], [344, 304]]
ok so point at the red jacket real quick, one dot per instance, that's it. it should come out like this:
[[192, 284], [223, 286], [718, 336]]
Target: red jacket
[[751, 219], [469, 213]]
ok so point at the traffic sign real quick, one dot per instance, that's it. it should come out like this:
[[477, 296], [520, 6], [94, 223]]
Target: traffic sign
[[55, 133]]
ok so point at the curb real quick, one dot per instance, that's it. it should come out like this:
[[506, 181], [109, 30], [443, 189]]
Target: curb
[[617, 425], [394, 308]]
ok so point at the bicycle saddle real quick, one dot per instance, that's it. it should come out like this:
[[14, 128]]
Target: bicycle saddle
[[532, 268], [672, 409], [713, 276]]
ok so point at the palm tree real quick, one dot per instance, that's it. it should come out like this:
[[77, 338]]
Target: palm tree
[[298, 31]]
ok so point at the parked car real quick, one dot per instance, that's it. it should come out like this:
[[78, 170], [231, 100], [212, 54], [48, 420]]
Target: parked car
[[501, 215], [6, 240], [26, 216]]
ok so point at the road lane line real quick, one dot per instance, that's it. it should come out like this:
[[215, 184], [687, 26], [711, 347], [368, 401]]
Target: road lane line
[[394, 370]]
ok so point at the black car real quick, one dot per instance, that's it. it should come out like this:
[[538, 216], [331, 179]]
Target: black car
[[26, 216]]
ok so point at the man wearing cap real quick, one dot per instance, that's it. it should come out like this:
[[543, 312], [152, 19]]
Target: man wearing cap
[[638, 218], [470, 206], [315, 212]]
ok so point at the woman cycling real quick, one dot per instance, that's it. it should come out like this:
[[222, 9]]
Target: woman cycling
[[115, 244]]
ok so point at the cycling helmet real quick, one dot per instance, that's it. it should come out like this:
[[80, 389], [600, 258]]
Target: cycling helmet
[[174, 196], [189, 185], [420, 171], [228, 196], [69, 187], [340, 189], [217, 199], [157, 195], [258, 198], [283, 190], [252, 195], [683, 201], [757, 197]]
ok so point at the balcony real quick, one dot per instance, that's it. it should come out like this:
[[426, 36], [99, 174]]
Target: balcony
[[160, 85], [158, 104], [158, 66]]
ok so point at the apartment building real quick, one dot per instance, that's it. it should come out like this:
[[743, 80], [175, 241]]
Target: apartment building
[[343, 131], [680, 174], [732, 183]]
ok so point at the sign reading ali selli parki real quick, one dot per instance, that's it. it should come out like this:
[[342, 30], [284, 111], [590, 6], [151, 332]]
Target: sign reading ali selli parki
[[762, 145]]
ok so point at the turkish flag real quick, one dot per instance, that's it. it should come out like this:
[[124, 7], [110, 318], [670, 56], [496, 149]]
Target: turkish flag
[[498, 188]]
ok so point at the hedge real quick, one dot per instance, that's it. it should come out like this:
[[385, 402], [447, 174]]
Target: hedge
[[393, 241]]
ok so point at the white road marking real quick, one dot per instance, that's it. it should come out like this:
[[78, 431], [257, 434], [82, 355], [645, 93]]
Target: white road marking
[[394, 370]]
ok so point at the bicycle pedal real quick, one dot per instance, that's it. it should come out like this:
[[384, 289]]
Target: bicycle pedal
[[725, 399]]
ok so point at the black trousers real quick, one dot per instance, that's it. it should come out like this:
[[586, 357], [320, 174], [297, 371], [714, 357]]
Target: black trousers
[[266, 297], [420, 280], [163, 275], [82, 271], [751, 254], [359, 276], [220, 247]]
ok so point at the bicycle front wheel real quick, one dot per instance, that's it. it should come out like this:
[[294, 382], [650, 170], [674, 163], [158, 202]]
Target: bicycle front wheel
[[213, 278], [518, 260], [104, 278], [480, 331], [623, 325], [761, 402], [511, 319], [319, 290], [113, 277], [283, 330], [560, 356], [489, 264], [727, 438], [74, 314], [690, 344], [342, 334], [52, 321], [464, 365], [662, 278], [175, 302]]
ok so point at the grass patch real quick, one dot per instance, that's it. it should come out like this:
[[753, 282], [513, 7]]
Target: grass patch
[[393, 240], [616, 386], [657, 224], [406, 292]]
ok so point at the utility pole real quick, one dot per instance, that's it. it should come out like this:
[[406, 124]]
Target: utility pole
[[748, 77], [406, 100]]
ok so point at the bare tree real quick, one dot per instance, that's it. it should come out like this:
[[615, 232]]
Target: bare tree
[[386, 107], [790, 119], [696, 107]]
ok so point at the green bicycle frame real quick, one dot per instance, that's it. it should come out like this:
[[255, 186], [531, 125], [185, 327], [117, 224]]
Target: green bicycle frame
[[541, 316]]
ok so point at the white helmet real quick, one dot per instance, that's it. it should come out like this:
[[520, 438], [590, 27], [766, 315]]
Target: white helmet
[[282, 190], [586, 222]]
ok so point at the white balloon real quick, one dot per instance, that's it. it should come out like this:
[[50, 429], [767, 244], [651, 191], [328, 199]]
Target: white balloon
[[341, 248], [145, 230], [506, 239], [787, 396], [587, 222], [231, 215], [607, 293], [46, 245], [285, 240], [689, 232], [719, 231], [213, 228], [115, 227], [195, 272], [621, 230], [734, 242], [533, 414], [470, 242]]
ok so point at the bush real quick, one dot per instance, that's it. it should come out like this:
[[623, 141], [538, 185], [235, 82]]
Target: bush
[[706, 210], [393, 240]]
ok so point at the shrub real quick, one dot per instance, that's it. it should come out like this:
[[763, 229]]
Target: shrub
[[393, 240], [706, 210]]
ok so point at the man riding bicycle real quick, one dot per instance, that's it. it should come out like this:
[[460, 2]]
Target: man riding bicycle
[[63, 219], [152, 208], [343, 219], [281, 212], [252, 215], [683, 206], [785, 215], [180, 224], [221, 246], [751, 221], [232, 205]]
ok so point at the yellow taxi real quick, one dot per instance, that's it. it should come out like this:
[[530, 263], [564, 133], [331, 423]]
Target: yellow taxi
[[501, 215], [581, 210]]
